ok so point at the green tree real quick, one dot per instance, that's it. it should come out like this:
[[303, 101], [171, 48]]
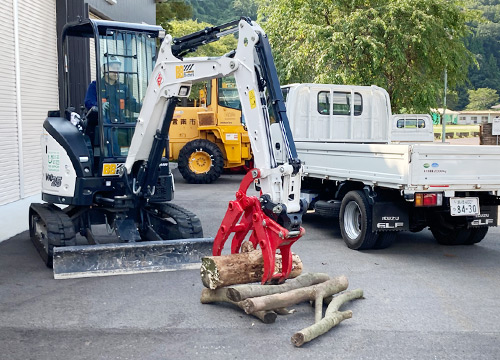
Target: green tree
[[482, 99], [484, 43], [401, 45], [215, 12], [246, 8], [172, 10]]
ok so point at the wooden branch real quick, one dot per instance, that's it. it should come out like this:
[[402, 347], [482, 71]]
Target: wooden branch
[[284, 311], [242, 292], [209, 296], [242, 268], [332, 318], [292, 297]]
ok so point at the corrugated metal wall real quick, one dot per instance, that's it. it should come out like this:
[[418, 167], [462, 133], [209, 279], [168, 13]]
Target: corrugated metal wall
[[24, 108], [9, 160], [39, 90]]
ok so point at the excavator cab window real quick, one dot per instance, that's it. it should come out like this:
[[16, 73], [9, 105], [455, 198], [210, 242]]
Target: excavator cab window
[[126, 62]]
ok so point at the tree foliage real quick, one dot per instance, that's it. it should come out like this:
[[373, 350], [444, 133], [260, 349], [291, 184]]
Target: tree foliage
[[172, 10], [482, 99], [218, 12], [484, 43], [401, 45]]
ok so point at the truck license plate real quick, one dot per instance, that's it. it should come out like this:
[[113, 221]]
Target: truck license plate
[[464, 206]]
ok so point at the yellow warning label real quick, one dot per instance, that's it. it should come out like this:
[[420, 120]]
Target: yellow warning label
[[109, 169], [253, 102], [179, 71]]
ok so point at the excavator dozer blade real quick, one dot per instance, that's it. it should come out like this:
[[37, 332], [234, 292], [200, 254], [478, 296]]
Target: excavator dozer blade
[[129, 258]]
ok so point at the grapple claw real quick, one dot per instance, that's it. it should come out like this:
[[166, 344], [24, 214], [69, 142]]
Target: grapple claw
[[245, 215]]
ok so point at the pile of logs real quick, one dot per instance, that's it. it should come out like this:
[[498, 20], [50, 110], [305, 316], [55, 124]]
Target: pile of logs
[[266, 302]]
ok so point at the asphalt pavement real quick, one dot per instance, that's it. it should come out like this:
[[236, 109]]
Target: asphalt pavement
[[422, 301]]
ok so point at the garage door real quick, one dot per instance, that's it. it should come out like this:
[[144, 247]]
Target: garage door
[[39, 86], [9, 160]]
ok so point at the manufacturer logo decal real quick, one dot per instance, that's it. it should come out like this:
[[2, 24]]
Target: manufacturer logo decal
[[55, 181], [111, 169], [435, 165], [184, 71], [426, 165], [390, 226]]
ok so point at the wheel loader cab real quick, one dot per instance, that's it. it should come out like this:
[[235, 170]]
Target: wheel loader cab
[[122, 57]]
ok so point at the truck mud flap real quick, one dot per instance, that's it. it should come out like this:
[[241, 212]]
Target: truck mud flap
[[487, 217], [389, 216], [129, 258]]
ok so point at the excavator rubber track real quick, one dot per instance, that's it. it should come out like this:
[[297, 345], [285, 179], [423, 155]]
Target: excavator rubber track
[[50, 227], [188, 225]]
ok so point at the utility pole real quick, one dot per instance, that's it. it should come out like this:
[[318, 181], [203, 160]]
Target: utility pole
[[443, 119]]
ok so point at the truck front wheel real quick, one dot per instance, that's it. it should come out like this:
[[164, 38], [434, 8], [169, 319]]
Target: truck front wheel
[[200, 162], [356, 221]]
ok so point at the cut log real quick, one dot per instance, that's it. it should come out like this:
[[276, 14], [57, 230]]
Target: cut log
[[242, 268], [332, 318], [292, 297], [210, 296], [242, 292]]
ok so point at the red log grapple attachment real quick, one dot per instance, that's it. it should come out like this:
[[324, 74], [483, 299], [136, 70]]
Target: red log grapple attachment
[[245, 214]]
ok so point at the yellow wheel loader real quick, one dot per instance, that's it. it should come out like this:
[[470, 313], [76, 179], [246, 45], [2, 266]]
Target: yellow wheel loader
[[210, 136]]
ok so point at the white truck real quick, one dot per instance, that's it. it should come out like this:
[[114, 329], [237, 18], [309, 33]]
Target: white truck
[[381, 173]]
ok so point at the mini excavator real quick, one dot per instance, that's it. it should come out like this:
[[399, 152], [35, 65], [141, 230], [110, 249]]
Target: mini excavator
[[108, 166]]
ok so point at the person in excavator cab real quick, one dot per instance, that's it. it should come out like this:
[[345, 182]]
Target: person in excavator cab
[[115, 95]]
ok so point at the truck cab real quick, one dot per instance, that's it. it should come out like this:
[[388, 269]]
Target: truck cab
[[411, 128]]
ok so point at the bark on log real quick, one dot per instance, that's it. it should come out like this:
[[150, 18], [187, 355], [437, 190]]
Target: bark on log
[[242, 292], [209, 296], [332, 318], [292, 297], [242, 268]]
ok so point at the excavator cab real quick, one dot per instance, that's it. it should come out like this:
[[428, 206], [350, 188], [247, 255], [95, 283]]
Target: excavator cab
[[122, 58]]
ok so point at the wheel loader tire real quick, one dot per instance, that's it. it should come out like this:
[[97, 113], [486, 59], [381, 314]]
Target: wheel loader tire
[[200, 162], [49, 226], [356, 221], [179, 223], [477, 234]]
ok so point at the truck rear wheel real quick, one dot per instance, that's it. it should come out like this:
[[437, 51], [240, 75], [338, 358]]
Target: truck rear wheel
[[449, 231], [356, 221], [200, 162], [477, 234], [385, 239]]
